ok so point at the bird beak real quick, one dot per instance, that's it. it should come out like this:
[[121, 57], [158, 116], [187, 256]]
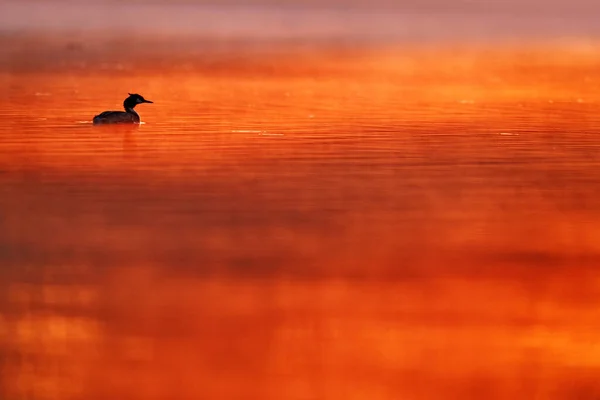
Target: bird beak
[[148, 101]]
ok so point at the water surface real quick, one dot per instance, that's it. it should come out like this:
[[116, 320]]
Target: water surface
[[304, 224]]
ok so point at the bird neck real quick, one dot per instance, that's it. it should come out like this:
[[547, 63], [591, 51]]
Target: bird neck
[[130, 110]]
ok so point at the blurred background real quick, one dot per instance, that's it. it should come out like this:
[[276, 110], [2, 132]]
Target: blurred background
[[357, 19]]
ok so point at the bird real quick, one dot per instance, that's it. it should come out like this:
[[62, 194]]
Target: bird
[[129, 116]]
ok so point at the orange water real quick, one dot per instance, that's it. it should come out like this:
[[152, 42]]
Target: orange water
[[384, 224]]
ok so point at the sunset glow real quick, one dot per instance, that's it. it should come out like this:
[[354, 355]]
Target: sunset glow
[[344, 201]]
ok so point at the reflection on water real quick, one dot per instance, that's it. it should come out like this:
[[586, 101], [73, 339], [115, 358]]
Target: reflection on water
[[358, 226]]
